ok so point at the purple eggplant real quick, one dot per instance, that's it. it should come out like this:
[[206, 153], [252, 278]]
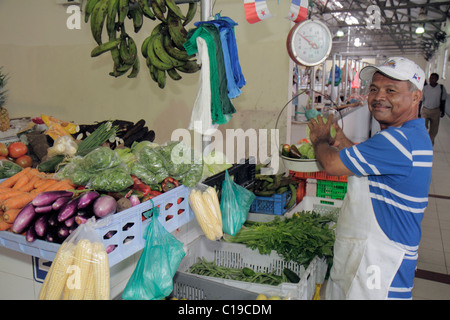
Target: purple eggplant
[[41, 225], [24, 219], [48, 197], [68, 210], [58, 203], [30, 236], [70, 222], [81, 220], [63, 232], [87, 198], [50, 237], [53, 220], [43, 209]]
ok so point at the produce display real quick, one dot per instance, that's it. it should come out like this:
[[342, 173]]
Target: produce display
[[163, 49], [300, 238], [211, 269]]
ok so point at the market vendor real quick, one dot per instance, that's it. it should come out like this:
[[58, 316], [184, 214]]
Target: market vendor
[[378, 230]]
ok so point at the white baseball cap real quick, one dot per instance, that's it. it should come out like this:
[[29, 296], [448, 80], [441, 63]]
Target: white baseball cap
[[397, 68]]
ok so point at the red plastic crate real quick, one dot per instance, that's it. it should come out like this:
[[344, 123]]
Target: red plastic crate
[[320, 175]]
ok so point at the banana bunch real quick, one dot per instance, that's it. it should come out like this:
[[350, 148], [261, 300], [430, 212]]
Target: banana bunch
[[163, 48]]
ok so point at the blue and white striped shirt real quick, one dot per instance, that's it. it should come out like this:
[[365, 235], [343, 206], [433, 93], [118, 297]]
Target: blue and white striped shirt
[[398, 164]]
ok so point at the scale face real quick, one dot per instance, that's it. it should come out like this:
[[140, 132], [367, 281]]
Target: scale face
[[309, 43]]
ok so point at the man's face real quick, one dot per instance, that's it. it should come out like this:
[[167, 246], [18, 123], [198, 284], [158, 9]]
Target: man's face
[[433, 80], [391, 102]]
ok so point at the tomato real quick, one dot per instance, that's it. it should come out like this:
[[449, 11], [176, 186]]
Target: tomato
[[17, 149], [24, 161], [3, 150]]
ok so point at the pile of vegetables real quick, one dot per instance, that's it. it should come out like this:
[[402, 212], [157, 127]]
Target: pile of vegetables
[[300, 238], [20, 189], [54, 215], [211, 269]]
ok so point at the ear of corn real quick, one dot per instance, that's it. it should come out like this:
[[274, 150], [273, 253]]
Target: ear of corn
[[101, 272], [82, 262], [205, 209], [57, 276]]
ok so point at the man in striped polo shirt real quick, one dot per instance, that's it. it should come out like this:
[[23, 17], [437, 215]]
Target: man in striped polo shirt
[[378, 230]]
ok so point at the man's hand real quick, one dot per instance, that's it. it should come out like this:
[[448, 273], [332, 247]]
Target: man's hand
[[320, 131]]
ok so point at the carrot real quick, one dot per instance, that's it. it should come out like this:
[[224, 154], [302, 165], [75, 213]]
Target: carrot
[[23, 180], [10, 215], [65, 184], [30, 185], [4, 226], [9, 182], [12, 193], [17, 202], [43, 187]]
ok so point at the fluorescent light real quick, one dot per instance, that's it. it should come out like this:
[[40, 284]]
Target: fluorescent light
[[420, 30], [340, 33]]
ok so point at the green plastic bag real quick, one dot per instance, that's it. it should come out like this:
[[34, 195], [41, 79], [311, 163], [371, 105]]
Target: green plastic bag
[[235, 202], [153, 277]]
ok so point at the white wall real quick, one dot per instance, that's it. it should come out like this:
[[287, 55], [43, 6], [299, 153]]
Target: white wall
[[51, 71]]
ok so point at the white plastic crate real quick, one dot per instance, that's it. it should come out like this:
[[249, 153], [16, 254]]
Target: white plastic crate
[[239, 256], [125, 230], [320, 205]]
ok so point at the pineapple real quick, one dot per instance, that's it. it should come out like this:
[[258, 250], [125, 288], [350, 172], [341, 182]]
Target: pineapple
[[4, 116]]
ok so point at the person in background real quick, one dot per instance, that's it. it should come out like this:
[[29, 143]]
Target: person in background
[[433, 105], [378, 230]]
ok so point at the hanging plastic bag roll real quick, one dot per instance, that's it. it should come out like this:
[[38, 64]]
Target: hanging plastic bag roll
[[235, 204]]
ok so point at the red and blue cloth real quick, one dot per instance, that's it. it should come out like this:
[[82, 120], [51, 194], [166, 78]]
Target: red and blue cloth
[[256, 10], [298, 11]]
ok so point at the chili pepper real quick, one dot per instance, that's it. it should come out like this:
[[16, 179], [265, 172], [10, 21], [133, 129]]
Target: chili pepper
[[169, 183], [151, 195]]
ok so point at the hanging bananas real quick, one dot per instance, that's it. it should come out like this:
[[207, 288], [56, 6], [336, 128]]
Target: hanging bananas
[[163, 49]]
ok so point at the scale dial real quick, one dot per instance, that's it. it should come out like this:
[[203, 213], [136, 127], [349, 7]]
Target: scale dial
[[309, 43]]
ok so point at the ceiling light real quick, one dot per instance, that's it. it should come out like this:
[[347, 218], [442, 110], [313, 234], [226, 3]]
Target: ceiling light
[[340, 33], [420, 30]]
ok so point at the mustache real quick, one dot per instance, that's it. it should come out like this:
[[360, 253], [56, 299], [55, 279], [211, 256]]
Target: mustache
[[379, 104]]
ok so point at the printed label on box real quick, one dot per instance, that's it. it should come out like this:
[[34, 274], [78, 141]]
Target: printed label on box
[[40, 268]]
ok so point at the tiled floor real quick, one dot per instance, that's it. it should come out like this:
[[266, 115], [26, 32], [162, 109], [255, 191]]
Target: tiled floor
[[434, 250]]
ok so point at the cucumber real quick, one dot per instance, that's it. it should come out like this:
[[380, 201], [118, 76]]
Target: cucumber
[[51, 164], [291, 275]]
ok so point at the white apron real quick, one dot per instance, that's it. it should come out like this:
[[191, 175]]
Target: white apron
[[365, 260]]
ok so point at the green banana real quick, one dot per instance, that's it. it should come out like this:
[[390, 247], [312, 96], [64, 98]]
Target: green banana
[[104, 47], [124, 50], [132, 48], [144, 47], [173, 51], [143, 4], [161, 5], [293, 198], [123, 10], [154, 58], [158, 12], [173, 74], [136, 66], [176, 30], [175, 9], [113, 8], [192, 10], [162, 54], [88, 8], [190, 66], [161, 78], [124, 68], [151, 69], [115, 54], [138, 19], [98, 19]]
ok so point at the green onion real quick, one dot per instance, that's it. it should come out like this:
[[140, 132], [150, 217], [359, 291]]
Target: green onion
[[106, 131]]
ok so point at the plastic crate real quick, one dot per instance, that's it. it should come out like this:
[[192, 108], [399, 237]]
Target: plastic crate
[[322, 206], [320, 175], [124, 231], [331, 189], [191, 287], [275, 204], [239, 256], [243, 174]]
